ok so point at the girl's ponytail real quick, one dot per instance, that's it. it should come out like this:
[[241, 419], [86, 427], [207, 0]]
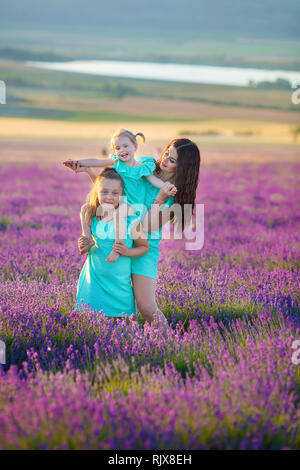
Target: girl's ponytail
[[141, 136], [127, 133]]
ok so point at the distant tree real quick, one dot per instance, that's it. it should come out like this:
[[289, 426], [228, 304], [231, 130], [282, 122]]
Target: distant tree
[[279, 84], [295, 131]]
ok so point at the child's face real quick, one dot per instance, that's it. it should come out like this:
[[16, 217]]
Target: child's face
[[110, 192], [124, 148]]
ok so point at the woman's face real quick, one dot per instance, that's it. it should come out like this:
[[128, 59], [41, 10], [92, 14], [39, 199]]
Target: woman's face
[[110, 192], [168, 163]]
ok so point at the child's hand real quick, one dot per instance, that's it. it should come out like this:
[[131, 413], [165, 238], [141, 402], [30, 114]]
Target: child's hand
[[72, 164], [84, 244], [120, 248], [169, 189], [75, 166]]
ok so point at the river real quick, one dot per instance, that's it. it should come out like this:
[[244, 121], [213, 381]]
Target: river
[[214, 75]]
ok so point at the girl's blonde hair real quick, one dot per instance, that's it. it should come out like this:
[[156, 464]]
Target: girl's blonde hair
[[92, 199], [126, 133]]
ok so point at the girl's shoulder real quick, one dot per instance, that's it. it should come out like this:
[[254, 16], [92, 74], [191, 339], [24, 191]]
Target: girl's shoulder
[[144, 160], [146, 168]]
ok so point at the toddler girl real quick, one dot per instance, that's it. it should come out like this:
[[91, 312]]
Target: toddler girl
[[135, 175]]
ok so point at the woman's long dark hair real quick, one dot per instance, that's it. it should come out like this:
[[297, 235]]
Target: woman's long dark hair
[[187, 172]]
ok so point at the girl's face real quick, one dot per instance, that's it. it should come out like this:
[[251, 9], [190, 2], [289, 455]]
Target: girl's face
[[169, 161], [110, 192], [124, 148]]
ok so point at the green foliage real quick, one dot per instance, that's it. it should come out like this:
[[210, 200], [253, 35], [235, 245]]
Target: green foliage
[[279, 84]]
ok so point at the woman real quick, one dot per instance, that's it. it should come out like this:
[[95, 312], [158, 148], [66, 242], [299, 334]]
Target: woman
[[178, 165]]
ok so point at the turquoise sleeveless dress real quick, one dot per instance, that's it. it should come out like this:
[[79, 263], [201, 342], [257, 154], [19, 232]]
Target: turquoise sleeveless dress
[[102, 285], [135, 186], [146, 265]]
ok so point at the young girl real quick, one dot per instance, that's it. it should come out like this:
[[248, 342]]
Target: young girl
[[98, 280], [135, 174]]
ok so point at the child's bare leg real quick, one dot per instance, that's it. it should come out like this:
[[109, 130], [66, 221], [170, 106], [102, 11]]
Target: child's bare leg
[[120, 229], [85, 241]]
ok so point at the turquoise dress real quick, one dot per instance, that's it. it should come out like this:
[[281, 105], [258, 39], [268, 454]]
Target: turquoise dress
[[102, 285], [146, 265], [135, 185]]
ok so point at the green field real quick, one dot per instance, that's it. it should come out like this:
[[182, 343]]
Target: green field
[[70, 96]]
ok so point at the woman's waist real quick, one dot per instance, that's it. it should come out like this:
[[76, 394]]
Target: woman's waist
[[109, 240]]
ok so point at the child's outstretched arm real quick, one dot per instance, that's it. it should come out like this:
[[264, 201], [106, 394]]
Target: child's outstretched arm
[[156, 217], [88, 162], [158, 183], [140, 241]]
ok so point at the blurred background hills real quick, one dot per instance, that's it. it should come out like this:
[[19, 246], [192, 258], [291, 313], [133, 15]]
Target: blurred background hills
[[255, 34], [242, 33]]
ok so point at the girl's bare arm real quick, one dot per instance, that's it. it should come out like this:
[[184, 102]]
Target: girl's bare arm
[[140, 241], [95, 162], [91, 174], [155, 217], [158, 183], [89, 162], [85, 227], [81, 169]]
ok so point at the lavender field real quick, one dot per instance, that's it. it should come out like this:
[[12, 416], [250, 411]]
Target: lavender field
[[222, 379]]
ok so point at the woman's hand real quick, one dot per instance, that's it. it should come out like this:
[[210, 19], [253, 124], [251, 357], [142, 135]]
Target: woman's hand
[[120, 248]]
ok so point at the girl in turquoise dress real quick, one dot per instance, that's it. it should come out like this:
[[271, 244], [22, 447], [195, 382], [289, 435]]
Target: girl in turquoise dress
[[178, 165], [98, 279]]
